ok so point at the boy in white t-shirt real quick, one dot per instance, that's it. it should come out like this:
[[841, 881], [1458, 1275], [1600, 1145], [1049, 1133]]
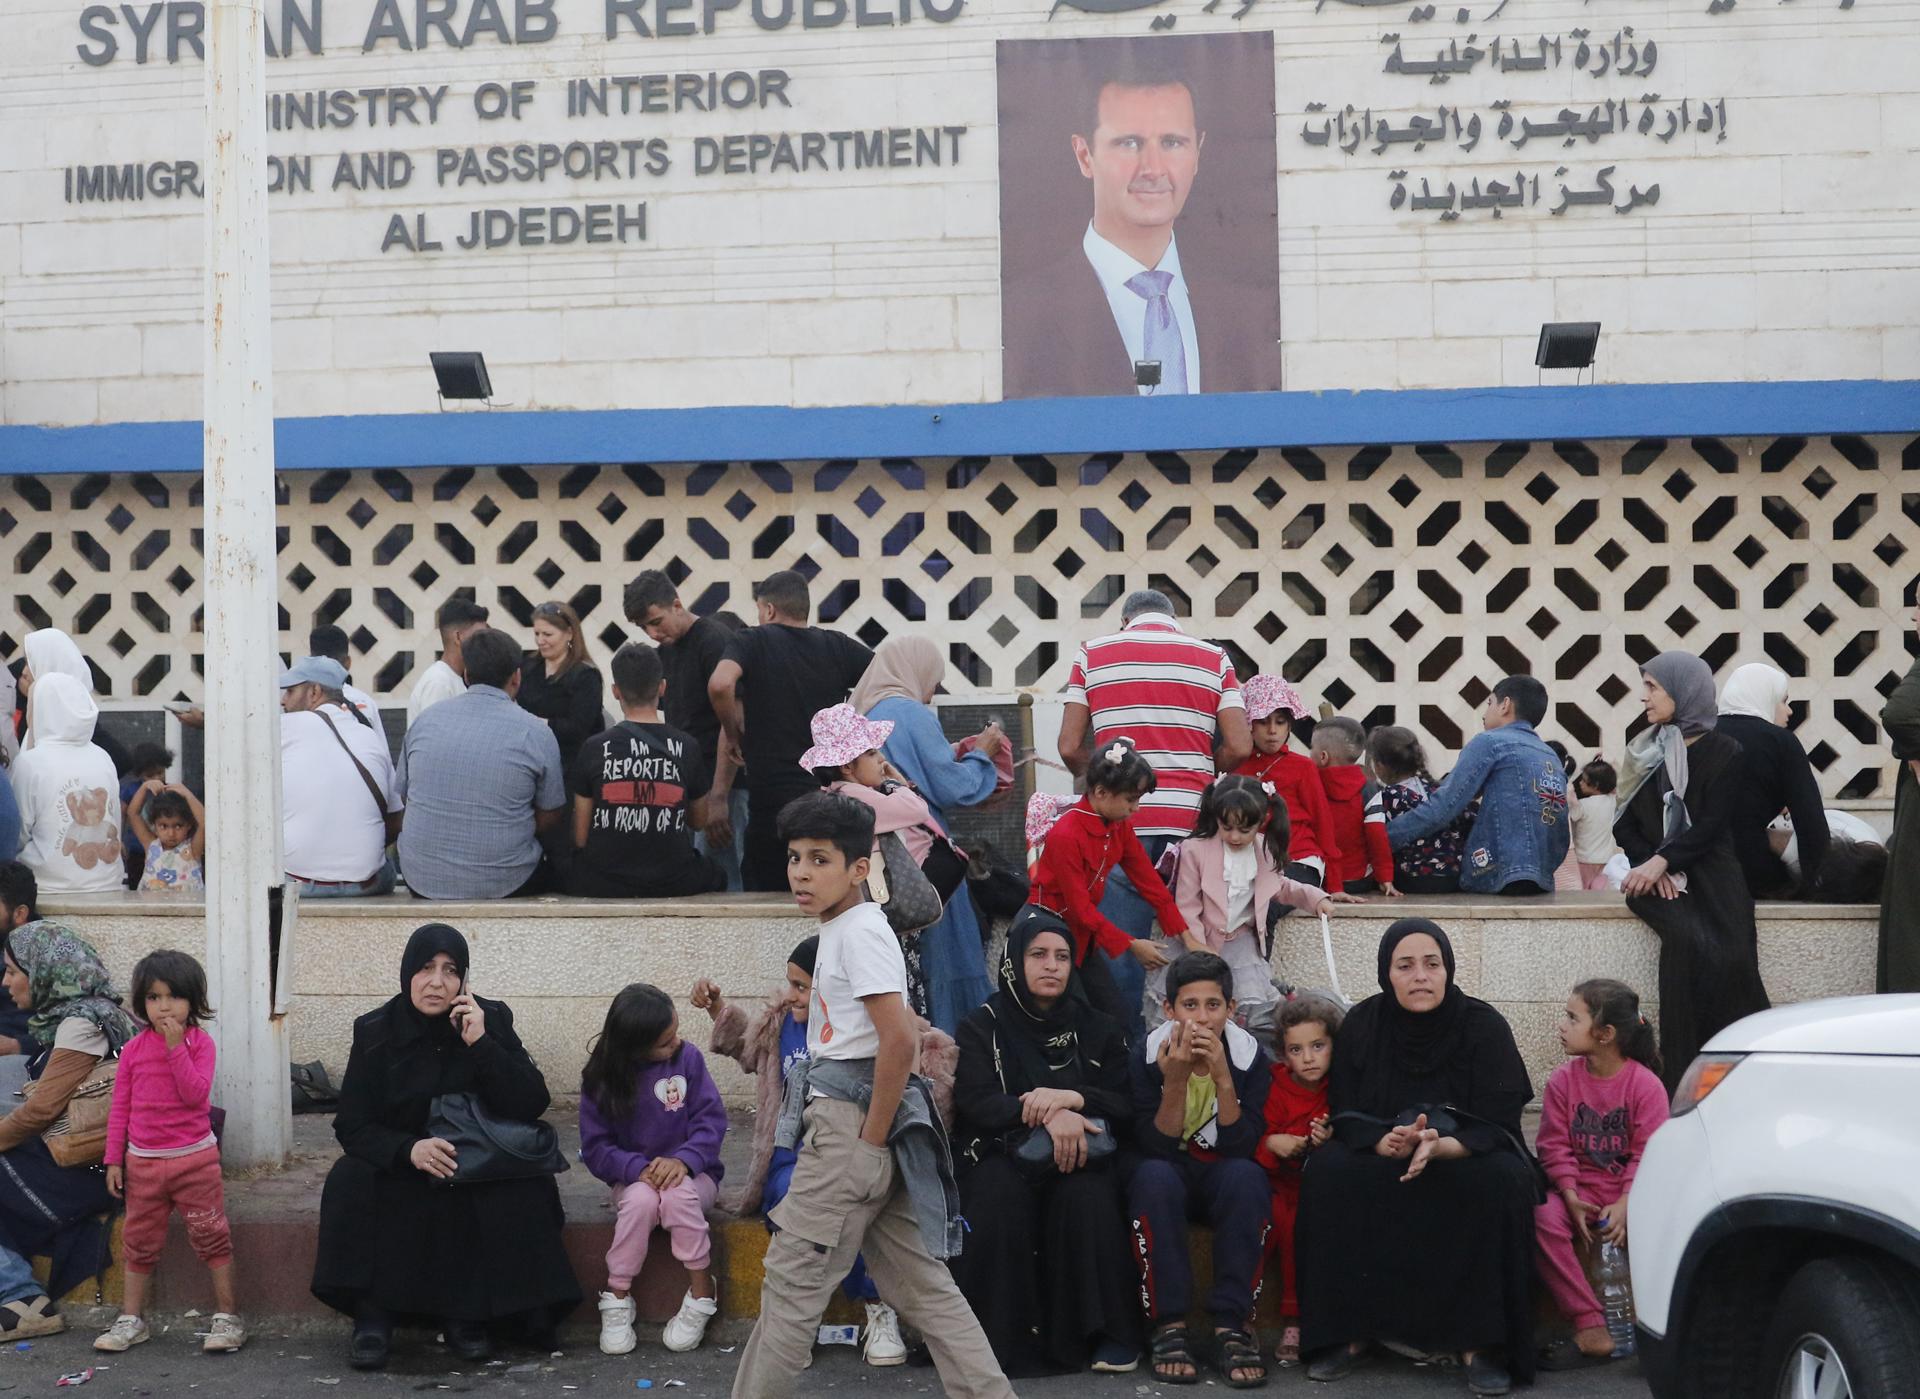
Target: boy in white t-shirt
[[847, 1196]]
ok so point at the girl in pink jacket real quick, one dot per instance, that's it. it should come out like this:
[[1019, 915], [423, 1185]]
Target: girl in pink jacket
[[1227, 884]]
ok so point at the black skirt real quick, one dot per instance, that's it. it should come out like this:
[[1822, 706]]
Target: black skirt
[[1046, 1267], [489, 1252], [1443, 1263]]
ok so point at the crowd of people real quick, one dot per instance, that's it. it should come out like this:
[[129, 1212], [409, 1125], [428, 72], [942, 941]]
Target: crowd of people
[[1008, 1164]]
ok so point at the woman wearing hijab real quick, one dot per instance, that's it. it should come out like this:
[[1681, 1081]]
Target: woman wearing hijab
[[68, 795], [898, 688], [1046, 1267], [51, 651], [1773, 774], [1900, 895], [393, 1244], [1416, 1219], [1678, 793], [46, 1207]]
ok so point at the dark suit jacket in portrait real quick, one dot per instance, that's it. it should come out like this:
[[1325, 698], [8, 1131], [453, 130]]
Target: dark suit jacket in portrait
[[1058, 337]]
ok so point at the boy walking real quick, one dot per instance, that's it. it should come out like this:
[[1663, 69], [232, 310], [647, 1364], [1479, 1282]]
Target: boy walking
[[873, 1173]]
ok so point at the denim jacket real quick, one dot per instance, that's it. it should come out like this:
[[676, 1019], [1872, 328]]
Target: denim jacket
[[1521, 832]]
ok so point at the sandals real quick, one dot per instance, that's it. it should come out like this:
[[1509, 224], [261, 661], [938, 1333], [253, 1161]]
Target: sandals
[[1237, 1350], [1169, 1347], [1288, 1351]]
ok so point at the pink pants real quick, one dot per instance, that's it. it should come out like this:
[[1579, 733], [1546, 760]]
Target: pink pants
[[156, 1187], [639, 1209], [1560, 1260]]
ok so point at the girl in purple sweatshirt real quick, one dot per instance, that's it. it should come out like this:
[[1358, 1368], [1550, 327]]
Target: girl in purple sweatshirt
[[651, 1123], [1601, 1107]]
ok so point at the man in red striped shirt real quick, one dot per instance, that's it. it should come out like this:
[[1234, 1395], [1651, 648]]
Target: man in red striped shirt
[[1177, 698]]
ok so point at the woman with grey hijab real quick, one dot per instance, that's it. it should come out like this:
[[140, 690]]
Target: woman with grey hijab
[[1678, 789]]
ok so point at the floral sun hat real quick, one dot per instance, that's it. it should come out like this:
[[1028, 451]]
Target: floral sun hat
[[840, 735], [1264, 694]]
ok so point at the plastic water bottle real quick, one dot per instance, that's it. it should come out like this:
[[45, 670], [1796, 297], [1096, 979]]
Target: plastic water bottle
[[1616, 1296]]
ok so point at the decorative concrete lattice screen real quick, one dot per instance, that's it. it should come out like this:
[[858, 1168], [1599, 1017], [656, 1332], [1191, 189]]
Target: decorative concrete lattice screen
[[1397, 582]]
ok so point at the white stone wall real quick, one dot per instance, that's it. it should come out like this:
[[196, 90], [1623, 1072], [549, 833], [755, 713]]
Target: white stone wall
[[1791, 249]]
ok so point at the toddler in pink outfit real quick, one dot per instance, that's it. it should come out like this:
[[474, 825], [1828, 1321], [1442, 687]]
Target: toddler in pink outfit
[[1601, 1108]]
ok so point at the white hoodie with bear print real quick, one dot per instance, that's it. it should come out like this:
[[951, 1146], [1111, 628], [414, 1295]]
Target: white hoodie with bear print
[[69, 794]]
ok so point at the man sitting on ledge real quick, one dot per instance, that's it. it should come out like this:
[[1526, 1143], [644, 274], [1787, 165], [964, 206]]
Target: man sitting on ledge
[[482, 783], [1519, 837]]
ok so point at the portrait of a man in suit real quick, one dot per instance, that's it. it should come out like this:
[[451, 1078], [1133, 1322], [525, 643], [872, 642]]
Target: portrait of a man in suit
[[1144, 262]]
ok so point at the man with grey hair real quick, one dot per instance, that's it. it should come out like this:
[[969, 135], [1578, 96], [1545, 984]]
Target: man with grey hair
[[1178, 699], [337, 792]]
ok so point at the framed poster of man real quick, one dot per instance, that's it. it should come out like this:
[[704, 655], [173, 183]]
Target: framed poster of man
[[1139, 204]]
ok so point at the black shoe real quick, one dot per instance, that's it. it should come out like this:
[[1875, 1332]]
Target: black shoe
[[372, 1340], [469, 1340], [1485, 1375], [1337, 1364]]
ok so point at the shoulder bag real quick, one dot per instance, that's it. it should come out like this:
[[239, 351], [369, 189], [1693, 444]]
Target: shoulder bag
[[903, 892], [373, 788], [78, 1136], [487, 1147]]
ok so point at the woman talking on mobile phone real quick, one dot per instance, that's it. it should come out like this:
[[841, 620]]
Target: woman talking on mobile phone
[[395, 1245]]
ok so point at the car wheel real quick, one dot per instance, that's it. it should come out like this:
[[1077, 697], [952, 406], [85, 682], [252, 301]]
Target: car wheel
[[1845, 1329]]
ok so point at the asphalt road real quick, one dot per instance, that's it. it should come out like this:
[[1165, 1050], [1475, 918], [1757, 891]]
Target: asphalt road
[[310, 1365]]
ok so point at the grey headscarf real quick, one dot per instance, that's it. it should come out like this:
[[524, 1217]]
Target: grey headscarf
[[1689, 681]]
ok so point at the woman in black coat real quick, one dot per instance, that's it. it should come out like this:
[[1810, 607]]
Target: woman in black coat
[[1416, 1220], [1774, 774], [1047, 1268], [394, 1244], [559, 682], [1679, 792]]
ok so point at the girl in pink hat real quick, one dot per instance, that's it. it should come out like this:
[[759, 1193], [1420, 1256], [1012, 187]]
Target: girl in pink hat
[[1272, 707]]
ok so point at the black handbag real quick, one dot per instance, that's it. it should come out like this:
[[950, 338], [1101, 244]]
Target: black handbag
[[1032, 1150], [998, 890], [486, 1147], [945, 866]]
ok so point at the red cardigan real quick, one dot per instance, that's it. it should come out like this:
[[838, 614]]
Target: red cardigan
[[1080, 852]]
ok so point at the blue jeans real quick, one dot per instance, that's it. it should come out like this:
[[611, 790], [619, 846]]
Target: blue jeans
[[729, 859], [381, 883], [1132, 915], [858, 1286], [17, 1283]]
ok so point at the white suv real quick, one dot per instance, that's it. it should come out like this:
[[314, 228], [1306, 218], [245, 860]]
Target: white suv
[[1776, 1217]]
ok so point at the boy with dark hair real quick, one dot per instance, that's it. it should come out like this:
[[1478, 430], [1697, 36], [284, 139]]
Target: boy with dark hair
[[147, 763], [1520, 835], [447, 677], [1200, 1094], [333, 643], [872, 1172], [768, 686], [630, 788], [17, 894], [1361, 852]]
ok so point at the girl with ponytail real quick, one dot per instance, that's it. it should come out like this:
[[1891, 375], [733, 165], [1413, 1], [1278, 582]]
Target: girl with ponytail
[[1601, 1108]]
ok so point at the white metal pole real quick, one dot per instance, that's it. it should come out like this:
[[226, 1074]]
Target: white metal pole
[[239, 588]]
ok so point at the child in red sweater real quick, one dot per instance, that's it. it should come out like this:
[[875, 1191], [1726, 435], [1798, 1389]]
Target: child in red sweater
[[1089, 840], [1365, 858], [1272, 706], [1296, 1123], [161, 1154]]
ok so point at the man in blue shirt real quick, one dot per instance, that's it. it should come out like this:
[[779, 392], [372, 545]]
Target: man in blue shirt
[[1519, 838]]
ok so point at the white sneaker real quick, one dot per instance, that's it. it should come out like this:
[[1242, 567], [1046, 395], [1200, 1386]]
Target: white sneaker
[[881, 1343], [224, 1334], [689, 1325], [125, 1333], [616, 1325]]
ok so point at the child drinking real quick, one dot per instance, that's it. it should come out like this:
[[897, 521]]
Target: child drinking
[[852, 1104], [1226, 885], [771, 1046], [1296, 1123], [651, 1123], [1364, 858], [1601, 1107], [1091, 839], [1272, 707], [161, 1154], [173, 830], [1592, 820], [1430, 865]]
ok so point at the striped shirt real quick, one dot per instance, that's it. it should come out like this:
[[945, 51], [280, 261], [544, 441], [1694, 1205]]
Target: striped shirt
[[1163, 689]]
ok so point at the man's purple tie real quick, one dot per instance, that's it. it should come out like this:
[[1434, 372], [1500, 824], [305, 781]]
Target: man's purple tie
[[1162, 340]]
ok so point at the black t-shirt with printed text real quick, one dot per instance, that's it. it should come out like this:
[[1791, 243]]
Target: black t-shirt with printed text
[[641, 778]]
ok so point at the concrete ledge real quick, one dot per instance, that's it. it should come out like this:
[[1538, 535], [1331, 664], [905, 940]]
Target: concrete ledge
[[558, 961]]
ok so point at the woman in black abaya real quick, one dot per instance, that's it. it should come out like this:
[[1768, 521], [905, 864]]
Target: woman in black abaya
[[1416, 1220], [394, 1245], [1046, 1267], [1679, 788]]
